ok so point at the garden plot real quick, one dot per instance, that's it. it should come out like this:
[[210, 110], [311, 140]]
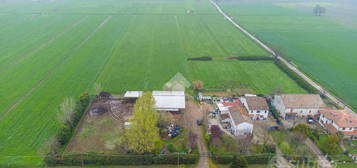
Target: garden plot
[[102, 128]]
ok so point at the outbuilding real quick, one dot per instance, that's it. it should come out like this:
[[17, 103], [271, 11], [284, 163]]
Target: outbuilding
[[298, 105], [164, 100], [256, 106]]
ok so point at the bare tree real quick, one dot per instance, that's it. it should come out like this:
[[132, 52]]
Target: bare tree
[[318, 10], [244, 143], [197, 85], [67, 109]]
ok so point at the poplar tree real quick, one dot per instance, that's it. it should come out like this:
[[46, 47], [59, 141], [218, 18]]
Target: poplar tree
[[143, 133]]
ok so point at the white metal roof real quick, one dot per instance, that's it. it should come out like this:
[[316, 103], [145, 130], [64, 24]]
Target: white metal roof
[[168, 93], [133, 94], [164, 100], [169, 100]]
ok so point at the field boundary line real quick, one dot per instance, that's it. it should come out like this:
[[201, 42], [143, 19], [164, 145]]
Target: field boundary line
[[43, 45], [50, 72], [322, 90]]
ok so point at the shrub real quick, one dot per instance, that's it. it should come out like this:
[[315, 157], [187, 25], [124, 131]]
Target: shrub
[[171, 148], [252, 159], [98, 159], [64, 135], [66, 130], [286, 148], [304, 129], [275, 113], [239, 162], [254, 58], [204, 58]]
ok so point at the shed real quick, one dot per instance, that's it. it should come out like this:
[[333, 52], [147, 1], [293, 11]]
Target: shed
[[169, 100]]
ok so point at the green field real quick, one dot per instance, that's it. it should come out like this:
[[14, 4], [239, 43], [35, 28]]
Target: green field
[[323, 47], [53, 49]]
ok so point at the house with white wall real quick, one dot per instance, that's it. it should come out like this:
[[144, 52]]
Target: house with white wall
[[256, 106], [235, 118], [298, 105], [339, 121]]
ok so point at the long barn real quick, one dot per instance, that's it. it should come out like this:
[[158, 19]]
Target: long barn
[[164, 100]]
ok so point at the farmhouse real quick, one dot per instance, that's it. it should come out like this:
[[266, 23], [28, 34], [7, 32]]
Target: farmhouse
[[256, 106], [235, 118], [301, 105], [164, 100], [339, 120]]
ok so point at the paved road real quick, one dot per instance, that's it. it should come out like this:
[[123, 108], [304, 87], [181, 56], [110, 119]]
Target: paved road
[[291, 66]]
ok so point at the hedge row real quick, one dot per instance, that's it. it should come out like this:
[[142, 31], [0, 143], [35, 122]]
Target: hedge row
[[253, 159], [254, 58], [205, 58], [275, 113], [98, 159], [66, 131], [300, 81]]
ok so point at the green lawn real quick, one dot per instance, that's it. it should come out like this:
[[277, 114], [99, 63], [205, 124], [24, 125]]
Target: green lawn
[[351, 165], [323, 47], [51, 50]]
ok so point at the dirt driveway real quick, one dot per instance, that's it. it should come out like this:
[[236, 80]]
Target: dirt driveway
[[192, 113]]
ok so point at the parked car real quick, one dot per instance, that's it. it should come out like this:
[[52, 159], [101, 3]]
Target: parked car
[[199, 122], [310, 120]]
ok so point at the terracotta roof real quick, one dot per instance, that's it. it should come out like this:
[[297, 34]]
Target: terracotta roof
[[302, 101], [229, 104], [354, 132], [257, 103], [239, 113], [224, 116], [342, 118], [330, 128]]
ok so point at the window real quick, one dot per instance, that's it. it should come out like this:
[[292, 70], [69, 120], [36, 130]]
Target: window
[[343, 128], [258, 111]]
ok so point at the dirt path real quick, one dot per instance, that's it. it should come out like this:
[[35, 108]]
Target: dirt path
[[291, 66], [281, 162], [194, 112], [322, 161]]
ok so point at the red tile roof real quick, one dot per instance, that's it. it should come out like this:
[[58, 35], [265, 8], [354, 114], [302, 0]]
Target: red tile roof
[[350, 132], [342, 118], [330, 128]]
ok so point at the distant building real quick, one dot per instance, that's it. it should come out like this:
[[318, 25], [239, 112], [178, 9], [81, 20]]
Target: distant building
[[235, 118], [164, 100], [201, 97], [257, 107], [298, 105], [339, 120]]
